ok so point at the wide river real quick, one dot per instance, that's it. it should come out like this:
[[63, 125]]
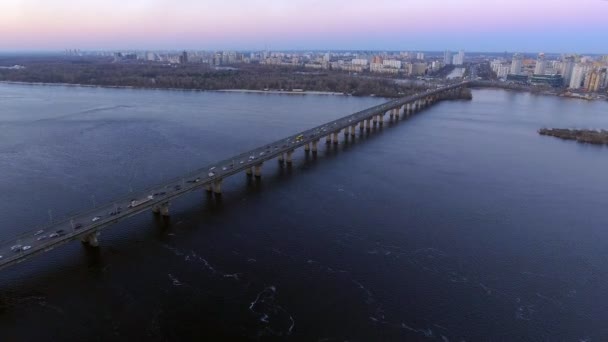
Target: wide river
[[458, 224]]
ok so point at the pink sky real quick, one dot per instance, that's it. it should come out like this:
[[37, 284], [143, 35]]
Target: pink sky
[[255, 24]]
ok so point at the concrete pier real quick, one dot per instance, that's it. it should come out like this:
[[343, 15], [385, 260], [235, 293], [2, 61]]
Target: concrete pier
[[352, 130], [258, 170], [289, 157], [91, 239], [314, 145], [217, 187], [335, 141]]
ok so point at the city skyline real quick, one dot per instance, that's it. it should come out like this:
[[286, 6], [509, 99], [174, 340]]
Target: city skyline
[[312, 25]]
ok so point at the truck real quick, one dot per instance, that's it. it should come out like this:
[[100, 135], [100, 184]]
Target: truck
[[134, 203]]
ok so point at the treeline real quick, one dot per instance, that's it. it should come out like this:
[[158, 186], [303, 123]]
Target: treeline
[[104, 72]]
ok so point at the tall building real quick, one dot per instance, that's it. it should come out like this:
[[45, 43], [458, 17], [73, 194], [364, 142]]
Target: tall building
[[577, 76], [516, 64], [447, 57], [539, 69], [183, 58], [459, 58], [567, 69], [420, 56]]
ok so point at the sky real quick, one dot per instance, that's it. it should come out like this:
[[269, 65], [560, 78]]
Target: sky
[[560, 26]]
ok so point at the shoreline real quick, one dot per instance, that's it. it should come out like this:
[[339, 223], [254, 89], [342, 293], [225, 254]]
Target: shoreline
[[288, 92], [307, 92]]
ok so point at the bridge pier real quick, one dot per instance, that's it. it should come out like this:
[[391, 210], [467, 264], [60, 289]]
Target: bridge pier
[[381, 118], [352, 130], [361, 125], [335, 140], [217, 188], [249, 171], [314, 145], [289, 157], [281, 157], [346, 132], [366, 124], [374, 120], [258, 171], [307, 147], [207, 187], [328, 139], [91, 239]]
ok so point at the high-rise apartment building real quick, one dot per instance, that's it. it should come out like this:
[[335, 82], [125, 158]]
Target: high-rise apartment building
[[516, 64], [539, 69], [567, 68], [447, 57], [459, 58], [577, 76]]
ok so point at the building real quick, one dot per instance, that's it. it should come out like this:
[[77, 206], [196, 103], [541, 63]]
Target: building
[[420, 56], [577, 76], [459, 58], [567, 69], [540, 67], [359, 61], [595, 79], [392, 63], [447, 57], [183, 58], [552, 80], [516, 64]]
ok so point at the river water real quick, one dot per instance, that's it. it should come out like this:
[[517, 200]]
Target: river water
[[461, 223]]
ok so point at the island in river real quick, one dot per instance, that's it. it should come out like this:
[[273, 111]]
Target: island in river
[[581, 135]]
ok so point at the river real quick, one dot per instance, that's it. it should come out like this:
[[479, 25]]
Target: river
[[460, 223]]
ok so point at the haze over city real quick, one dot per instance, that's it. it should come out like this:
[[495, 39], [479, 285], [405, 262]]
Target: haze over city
[[516, 25]]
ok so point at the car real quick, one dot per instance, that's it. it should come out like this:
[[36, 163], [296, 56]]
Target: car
[[241, 162], [0, 256], [261, 153], [41, 237], [211, 169], [16, 248], [38, 232], [78, 226], [60, 231], [224, 168], [25, 248], [211, 174], [53, 235], [96, 218]]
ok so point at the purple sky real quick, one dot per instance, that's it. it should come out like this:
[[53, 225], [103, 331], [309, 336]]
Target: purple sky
[[473, 25]]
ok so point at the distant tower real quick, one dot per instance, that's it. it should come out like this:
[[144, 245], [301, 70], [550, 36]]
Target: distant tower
[[539, 69], [183, 58], [567, 67], [447, 57], [516, 64]]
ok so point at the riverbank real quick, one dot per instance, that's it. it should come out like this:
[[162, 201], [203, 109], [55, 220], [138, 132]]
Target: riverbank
[[289, 92], [580, 135]]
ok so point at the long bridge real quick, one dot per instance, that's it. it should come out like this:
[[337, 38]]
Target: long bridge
[[86, 226]]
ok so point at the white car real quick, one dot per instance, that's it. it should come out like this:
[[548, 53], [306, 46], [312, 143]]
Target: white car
[[224, 168], [96, 218], [40, 238], [211, 174], [53, 235], [16, 248], [25, 248], [39, 232]]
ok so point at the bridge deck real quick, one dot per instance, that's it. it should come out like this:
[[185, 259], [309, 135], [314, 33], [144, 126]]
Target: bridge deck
[[85, 223]]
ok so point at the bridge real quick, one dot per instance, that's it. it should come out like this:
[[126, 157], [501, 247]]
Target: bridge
[[86, 226]]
